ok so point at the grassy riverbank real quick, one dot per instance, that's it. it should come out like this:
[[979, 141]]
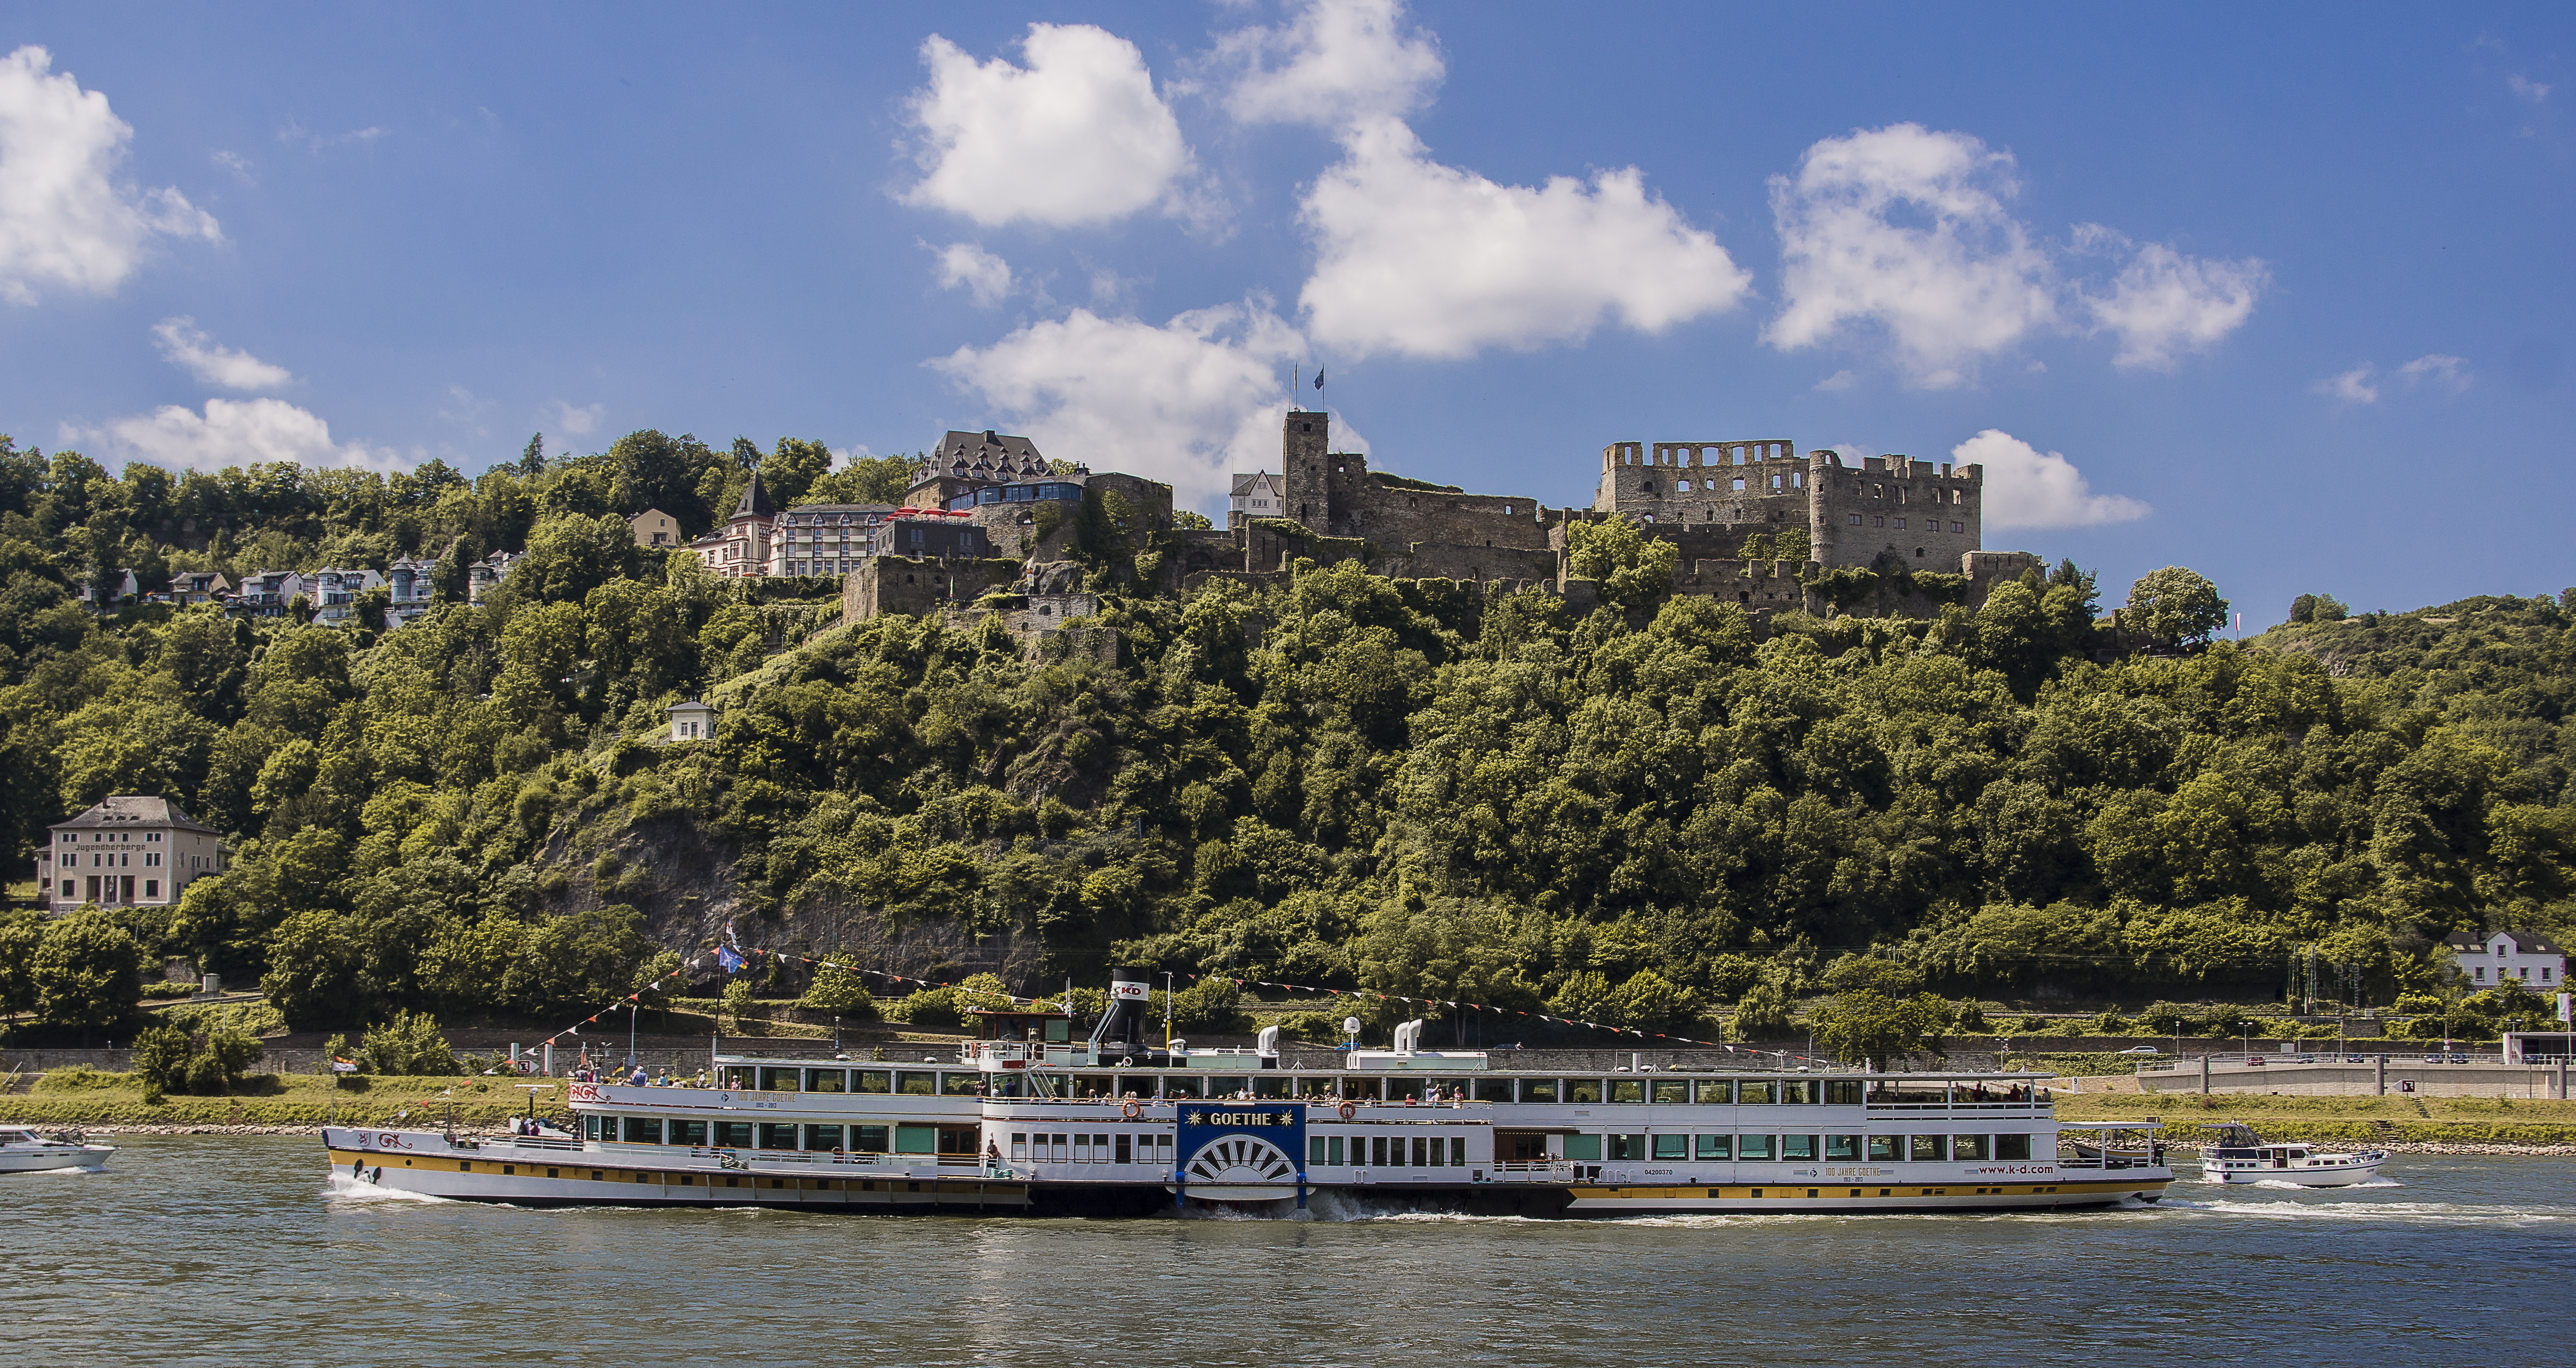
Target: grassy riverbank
[[2191, 1118], [80, 1097]]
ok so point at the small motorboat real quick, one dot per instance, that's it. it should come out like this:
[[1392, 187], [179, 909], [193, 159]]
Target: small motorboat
[[23, 1150], [2241, 1156]]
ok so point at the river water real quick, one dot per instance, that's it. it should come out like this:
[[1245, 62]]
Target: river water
[[207, 1249]]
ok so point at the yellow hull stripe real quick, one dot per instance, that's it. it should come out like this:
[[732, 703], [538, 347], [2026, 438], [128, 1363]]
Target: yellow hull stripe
[[1846, 1192]]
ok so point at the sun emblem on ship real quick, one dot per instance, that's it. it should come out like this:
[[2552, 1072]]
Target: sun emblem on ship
[[1197, 1118]]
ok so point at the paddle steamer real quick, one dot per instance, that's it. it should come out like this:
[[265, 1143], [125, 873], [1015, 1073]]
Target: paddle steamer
[[1024, 1119]]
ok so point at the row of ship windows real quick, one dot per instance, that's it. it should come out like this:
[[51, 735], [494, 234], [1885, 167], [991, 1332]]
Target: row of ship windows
[[1838, 1092], [1929, 524], [1796, 1148], [780, 1135], [1832, 1092]]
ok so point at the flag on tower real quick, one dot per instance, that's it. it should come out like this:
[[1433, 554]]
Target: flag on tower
[[1319, 377]]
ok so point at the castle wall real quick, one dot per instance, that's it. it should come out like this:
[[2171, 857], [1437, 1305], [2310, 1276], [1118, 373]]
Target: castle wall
[[894, 584], [1924, 514], [1731, 489]]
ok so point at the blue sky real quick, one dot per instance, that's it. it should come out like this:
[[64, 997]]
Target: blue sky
[[2278, 292]]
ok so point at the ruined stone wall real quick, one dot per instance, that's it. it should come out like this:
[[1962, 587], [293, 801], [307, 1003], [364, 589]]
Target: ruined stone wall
[[1469, 564], [894, 584], [1732, 489], [1928, 515]]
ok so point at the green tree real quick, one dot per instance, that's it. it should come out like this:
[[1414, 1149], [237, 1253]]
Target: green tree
[[840, 991], [1635, 571], [22, 932], [2174, 605], [532, 461], [1866, 1024], [88, 971], [1762, 1014], [317, 975], [409, 1044]]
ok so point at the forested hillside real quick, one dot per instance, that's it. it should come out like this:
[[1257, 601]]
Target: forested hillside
[[1634, 816]]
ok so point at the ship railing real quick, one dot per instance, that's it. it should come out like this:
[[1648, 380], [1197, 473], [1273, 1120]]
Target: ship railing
[[1533, 1170], [2018, 1105], [542, 1142]]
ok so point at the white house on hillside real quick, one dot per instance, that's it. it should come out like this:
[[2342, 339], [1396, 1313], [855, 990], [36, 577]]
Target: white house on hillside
[[2490, 959]]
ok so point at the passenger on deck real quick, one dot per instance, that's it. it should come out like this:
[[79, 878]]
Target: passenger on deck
[[636, 1079]]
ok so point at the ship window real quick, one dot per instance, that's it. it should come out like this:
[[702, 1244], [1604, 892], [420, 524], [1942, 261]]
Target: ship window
[[826, 1080], [642, 1130], [1626, 1147], [823, 1137], [1716, 1146], [1797, 1147], [1314, 1151], [1584, 1147], [1627, 1090], [1122, 1149], [1842, 1092], [1540, 1090], [1270, 1086], [1925, 1148], [915, 1139], [590, 1128], [1181, 1087], [1333, 1151], [1886, 1146], [1580, 1090], [686, 1132], [1718, 1090], [733, 1134], [1967, 1147], [1756, 1093], [960, 1084], [1404, 1090], [777, 1135], [1140, 1084], [1672, 1090], [1361, 1089], [1672, 1147], [1493, 1090], [778, 1080], [1377, 1151], [1421, 1152], [875, 1081], [2014, 1147], [868, 1139], [912, 1084], [1842, 1147], [1798, 1092], [1753, 1147], [1227, 1087]]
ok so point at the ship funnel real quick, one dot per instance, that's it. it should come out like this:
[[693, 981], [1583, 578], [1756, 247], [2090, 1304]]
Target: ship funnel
[[1124, 1022], [1266, 1045]]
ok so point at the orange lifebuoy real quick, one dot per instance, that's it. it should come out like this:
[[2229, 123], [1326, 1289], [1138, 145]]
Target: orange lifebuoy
[[1349, 1111], [1131, 1111]]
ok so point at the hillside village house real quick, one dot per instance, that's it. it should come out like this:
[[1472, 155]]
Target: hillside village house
[[824, 539], [653, 527], [126, 852], [199, 586], [692, 721], [1257, 495], [336, 593], [269, 592], [2527, 959], [485, 575], [407, 581]]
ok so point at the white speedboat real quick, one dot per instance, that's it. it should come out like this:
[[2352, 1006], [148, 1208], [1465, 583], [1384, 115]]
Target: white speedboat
[[2241, 1156], [24, 1151]]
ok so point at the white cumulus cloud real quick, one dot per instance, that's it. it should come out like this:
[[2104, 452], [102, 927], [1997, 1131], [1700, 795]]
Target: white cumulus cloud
[[187, 347], [1430, 260], [1337, 62], [1178, 402], [63, 219], [1077, 136], [2361, 384], [1910, 232], [1907, 229], [2449, 372], [986, 276], [2027, 487], [2526, 89], [2164, 303], [229, 432], [575, 420]]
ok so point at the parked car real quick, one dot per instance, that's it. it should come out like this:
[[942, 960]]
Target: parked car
[[2141, 1049], [2255, 1059]]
